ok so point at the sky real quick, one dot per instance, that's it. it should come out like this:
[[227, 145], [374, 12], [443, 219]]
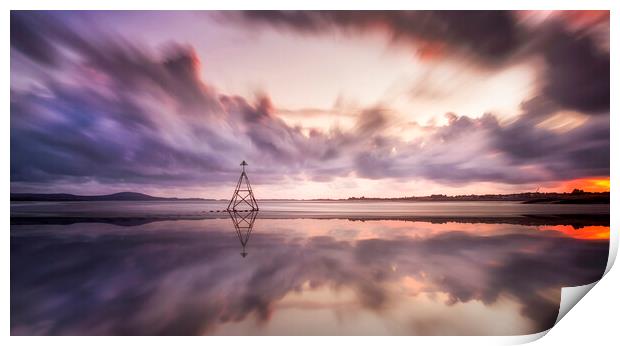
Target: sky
[[321, 104]]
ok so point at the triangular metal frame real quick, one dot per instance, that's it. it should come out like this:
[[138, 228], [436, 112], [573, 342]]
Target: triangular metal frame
[[243, 197], [243, 222]]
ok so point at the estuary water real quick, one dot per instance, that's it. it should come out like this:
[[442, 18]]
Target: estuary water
[[299, 268]]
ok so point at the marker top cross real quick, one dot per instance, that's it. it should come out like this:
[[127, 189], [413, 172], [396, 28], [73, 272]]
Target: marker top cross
[[243, 197]]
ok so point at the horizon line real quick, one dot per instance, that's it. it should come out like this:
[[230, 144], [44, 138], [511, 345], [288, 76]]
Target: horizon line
[[325, 198]]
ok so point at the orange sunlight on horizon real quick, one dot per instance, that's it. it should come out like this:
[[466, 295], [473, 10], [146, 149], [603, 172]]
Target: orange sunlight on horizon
[[591, 184]]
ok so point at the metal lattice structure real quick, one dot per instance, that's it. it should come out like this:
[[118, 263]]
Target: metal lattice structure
[[243, 198], [243, 222]]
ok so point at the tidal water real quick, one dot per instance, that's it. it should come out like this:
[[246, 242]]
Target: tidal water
[[299, 268]]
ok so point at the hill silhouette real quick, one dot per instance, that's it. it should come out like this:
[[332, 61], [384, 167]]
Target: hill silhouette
[[120, 196]]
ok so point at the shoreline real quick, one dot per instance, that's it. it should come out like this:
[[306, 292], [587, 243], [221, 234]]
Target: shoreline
[[575, 220]]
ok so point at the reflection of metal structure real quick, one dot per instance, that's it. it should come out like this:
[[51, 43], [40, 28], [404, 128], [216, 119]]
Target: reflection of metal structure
[[243, 198], [243, 222]]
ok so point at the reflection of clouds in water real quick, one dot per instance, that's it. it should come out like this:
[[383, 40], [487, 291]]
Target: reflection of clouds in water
[[190, 281], [585, 232]]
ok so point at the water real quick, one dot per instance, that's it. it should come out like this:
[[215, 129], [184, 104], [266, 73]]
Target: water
[[207, 209], [299, 268]]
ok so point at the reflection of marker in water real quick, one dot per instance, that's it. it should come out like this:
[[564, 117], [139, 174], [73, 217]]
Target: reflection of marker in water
[[243, 223]]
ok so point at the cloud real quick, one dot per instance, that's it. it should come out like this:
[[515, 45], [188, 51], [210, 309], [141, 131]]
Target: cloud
[[490, 36], [576, 74], [27, 37], [98, 107], [468, 149], [127, 124]]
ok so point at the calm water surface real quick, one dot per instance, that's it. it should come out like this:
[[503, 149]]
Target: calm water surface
[[298, 208], [247, 274]]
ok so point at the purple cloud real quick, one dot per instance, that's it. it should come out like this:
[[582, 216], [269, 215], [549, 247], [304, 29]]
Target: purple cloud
[[91, 106]]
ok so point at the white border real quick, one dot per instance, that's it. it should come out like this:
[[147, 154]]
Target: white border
[[593, 320]]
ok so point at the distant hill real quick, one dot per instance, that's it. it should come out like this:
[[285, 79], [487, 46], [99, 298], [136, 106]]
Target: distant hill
[[121, 196]]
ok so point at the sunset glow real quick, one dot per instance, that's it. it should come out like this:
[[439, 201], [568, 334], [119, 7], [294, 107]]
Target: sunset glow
[[320, 104], [600, 184]]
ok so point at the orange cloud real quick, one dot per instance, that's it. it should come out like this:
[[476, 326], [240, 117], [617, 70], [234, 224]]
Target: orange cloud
[[581, 19], [429, 50], [591, 184]]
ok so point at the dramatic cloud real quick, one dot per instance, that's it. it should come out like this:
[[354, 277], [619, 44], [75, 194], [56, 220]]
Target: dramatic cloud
[[88, 106], [577, 72], [488, 35]]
